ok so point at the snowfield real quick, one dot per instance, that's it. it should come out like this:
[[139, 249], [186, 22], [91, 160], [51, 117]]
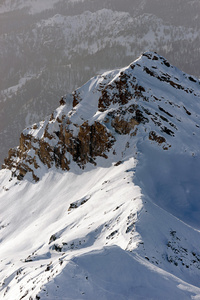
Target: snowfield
[[92, 234]]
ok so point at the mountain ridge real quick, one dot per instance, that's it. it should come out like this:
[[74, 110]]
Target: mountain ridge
[[87, 122]]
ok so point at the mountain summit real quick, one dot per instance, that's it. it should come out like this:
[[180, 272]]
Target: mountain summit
[[148, 100], [101, 199]]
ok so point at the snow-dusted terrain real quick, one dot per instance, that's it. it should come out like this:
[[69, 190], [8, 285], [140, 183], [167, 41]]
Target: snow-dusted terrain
[[101, 199]]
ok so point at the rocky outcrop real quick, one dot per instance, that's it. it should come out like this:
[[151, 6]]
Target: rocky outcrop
[[122, 126], [59, 148], [20, 163]]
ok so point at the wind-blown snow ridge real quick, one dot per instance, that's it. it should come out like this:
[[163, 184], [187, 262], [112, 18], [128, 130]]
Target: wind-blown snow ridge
[[101, 199]]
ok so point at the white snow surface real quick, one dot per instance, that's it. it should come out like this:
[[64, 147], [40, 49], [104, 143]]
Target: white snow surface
[[126, 230], [113, 245]]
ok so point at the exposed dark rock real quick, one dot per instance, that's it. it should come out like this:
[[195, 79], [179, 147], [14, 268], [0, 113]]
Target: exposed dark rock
[[62, 101], [122, 126], [187, 111], [154, 137], [192, 79], [167, 130], [166, 112]]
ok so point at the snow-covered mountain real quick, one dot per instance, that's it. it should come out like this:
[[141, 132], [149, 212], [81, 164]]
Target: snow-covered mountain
[[101, 199]]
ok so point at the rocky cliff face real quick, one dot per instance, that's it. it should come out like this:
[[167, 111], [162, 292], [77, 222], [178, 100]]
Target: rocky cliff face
[[147, 100]]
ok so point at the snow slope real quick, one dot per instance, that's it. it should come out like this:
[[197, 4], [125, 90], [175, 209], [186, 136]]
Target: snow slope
[[113, 245], [124, 224]]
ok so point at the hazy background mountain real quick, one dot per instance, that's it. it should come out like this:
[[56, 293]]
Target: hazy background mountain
[[49, 48]]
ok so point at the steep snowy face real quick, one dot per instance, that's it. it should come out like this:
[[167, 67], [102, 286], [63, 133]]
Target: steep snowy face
[[150, 101]]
